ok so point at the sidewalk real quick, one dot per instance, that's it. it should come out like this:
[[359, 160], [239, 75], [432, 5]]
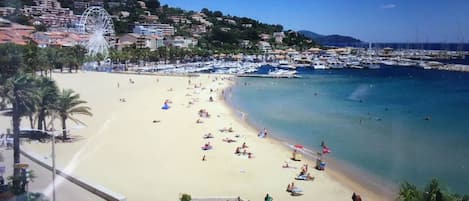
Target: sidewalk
[[65, 191]]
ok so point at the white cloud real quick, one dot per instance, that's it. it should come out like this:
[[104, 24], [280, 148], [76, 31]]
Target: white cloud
[[388, 6]]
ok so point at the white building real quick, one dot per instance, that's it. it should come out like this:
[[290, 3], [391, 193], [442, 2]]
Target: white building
[[279, 36], [147, 31], [264, 46], [140, 41], [166, 29], [182, 42]]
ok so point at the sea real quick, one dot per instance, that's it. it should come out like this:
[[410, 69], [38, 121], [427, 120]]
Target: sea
[[394, 123]]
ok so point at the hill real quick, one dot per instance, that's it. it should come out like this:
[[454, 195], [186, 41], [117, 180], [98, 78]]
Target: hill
[[333, 40]]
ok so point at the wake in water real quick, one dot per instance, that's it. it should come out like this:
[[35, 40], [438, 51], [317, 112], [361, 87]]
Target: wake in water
[[360, 93]]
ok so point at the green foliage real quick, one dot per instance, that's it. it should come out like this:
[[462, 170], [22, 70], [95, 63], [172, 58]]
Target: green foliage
[[11, 59], [186, 197], [409, 192], [41, 27], [432, 192]]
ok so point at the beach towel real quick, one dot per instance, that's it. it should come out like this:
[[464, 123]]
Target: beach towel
[[165, 107], [205, 148]]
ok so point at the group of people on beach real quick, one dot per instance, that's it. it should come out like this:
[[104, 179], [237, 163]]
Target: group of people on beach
[[244, 151], [263, 133], [304, 174], [203, 113]]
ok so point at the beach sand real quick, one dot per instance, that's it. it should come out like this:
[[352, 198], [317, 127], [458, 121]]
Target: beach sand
[[145, 153]]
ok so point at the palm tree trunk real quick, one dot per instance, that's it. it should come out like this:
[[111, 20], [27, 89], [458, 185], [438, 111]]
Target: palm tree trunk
[[64, 127], [40, 120], [16, 118], [31, 121]]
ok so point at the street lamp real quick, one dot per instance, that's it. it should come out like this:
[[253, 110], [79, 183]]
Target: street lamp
[[53, 133]]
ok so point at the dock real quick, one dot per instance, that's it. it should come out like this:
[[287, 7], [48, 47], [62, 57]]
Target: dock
[[268, 76]]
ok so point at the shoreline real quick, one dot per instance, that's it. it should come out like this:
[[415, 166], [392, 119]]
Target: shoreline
[[106, 142], [363, 183]]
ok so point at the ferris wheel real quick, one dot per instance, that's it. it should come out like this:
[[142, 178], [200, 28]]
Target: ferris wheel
[[97, 22]]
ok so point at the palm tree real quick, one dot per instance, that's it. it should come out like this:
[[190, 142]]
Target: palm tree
[[31, 57], [48, 93], [43, 61], [409, 192], [79, 53], [11, 59], [69, 104], [433, 191], [20, 91]]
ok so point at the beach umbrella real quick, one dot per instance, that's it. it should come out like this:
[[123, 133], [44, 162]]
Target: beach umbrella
[[299, 146], [326, 150]]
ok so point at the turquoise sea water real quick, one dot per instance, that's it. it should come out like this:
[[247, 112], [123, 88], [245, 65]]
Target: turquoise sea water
[[395, 123]]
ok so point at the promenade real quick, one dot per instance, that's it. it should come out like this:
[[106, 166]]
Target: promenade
[[43, 181]]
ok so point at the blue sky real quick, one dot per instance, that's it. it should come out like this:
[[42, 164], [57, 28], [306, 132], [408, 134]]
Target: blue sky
[[368, 20]]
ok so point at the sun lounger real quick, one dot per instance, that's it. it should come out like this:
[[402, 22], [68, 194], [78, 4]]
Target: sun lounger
[[301, 177], [296, 191]]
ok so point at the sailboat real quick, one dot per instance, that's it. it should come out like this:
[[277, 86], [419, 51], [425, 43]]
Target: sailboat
[[369, 62]]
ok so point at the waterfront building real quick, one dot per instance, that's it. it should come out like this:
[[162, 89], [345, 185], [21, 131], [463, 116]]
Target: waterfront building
[[5, 11], [264, 46], [182, 42], [141, 41], [59, 39], [14, 33]]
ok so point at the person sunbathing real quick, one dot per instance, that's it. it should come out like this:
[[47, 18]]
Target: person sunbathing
[[237, 151], [228, 140], [207, 136], [199, 121], [290, 187], [207, 146], [227, 130]]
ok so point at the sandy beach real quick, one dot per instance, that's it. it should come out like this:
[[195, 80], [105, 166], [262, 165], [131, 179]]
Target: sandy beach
[[137, 149]]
